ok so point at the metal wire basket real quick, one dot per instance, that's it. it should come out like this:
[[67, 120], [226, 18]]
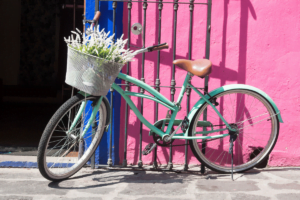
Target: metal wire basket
[[90, 74]]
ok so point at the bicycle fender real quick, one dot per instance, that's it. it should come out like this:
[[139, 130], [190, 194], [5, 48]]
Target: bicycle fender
[[232, 87], [107, 105]]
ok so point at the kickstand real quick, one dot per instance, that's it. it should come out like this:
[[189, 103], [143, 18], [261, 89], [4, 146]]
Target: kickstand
[[231, 152]]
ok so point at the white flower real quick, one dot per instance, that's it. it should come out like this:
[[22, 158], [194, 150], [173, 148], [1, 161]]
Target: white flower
[[97, 40]]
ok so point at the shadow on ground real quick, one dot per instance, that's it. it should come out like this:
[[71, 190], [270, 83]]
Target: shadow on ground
[[106, 177]]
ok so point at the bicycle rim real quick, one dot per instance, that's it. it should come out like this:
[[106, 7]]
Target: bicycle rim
[[62, 154], [258, 128]]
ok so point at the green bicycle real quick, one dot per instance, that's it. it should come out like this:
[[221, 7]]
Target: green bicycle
[[230, 129]]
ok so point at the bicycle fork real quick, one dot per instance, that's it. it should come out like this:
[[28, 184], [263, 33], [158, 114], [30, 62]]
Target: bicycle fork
[[90, 121]]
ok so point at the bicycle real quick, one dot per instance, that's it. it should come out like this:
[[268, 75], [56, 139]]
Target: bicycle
[[230, 129]]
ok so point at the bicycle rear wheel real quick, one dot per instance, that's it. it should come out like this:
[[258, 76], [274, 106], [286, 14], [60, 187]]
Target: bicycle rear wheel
[[257, 125], [60, 155]]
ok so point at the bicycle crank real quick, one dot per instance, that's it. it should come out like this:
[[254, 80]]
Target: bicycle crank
[[158, 140]]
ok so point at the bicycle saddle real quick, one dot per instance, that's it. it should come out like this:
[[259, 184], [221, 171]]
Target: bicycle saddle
[[200, 67]]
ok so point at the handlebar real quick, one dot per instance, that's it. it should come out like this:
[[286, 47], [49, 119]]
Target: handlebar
[[152, 48], [158, 47], [96, 18]]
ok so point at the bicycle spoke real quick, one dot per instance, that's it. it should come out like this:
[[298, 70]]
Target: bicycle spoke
[[238, 123], [255, 123], [249, 114]]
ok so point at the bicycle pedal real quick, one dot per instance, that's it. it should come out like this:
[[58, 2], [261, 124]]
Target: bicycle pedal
[[145, 152], [148, 148]]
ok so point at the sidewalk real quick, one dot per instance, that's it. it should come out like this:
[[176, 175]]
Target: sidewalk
[[131, 183]]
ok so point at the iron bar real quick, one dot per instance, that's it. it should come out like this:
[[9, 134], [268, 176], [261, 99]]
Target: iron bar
[[145, 5], [96, 8], [207, 52], [188, 90], [94, 126], [114, 5], [74, 14], [109, 162], [124, 164], [173, 82], [157, 81], [93, 156], [74, 28], [158, 2]]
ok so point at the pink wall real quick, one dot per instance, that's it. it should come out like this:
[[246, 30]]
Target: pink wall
[[252, 42]]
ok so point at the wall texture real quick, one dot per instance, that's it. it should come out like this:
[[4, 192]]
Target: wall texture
[[252, 42]]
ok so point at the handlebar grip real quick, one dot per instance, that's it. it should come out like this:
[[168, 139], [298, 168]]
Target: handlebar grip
[[97, 16], [164, 46]]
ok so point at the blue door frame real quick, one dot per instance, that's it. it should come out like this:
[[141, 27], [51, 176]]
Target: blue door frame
[[106, 22]]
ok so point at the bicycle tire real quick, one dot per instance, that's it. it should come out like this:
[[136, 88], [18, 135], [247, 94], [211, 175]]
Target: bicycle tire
[[54, 129], [242, 150]]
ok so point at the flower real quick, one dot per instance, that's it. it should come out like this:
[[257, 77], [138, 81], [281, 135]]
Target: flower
[[100, 44]]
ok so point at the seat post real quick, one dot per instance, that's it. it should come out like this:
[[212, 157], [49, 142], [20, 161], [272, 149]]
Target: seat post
[[183, 89]]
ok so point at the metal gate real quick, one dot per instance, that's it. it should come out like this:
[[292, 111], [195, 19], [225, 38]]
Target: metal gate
[[159, 6]]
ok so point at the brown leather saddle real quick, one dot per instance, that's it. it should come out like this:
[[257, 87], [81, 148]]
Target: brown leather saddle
[[200, 67]]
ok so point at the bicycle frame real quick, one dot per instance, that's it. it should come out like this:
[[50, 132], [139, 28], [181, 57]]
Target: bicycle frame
[[173, 106]]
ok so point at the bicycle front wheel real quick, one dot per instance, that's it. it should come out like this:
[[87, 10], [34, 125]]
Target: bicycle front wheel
[[61, 153], [257, 125]]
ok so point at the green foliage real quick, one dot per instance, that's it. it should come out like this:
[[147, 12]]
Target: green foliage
[[99, 51], [100, 44]]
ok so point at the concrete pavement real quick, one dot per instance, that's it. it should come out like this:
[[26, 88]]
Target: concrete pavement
[[131, 183]]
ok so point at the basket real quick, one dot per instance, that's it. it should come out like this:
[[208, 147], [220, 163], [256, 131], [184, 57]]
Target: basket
[[90, 74]]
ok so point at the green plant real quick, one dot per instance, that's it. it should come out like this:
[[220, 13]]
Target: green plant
[[101, 45]]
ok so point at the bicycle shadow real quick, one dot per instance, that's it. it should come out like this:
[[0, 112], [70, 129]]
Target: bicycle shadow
[[109, 177], [106, 179]]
